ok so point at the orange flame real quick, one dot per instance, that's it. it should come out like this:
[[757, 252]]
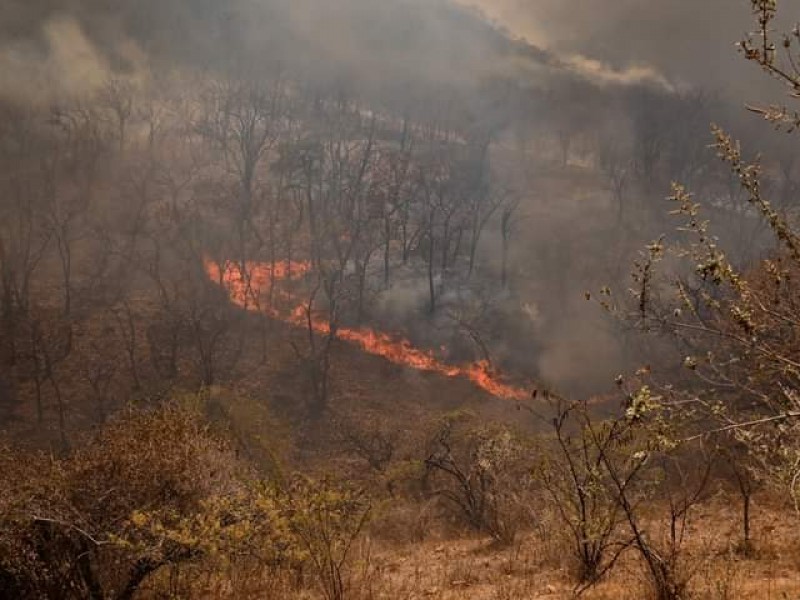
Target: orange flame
[[245, 291], [395, 349]]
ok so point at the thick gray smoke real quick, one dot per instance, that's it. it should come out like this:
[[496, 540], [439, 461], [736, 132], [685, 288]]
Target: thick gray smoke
[[684, 41], [379, 45], [385, 46]]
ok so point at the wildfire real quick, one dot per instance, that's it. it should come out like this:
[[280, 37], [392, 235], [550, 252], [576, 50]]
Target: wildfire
[[246, 292]]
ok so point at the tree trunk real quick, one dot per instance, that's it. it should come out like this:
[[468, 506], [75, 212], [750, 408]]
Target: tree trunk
[[387, 243], [431, 283]]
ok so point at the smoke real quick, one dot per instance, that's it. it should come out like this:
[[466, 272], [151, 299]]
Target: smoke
[[583, 354], [397, 51], [389, 47], [682, 41], [383, 45], [59, 60], [605, 75]]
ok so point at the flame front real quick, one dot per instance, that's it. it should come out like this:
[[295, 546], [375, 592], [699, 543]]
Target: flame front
[[245, 291]]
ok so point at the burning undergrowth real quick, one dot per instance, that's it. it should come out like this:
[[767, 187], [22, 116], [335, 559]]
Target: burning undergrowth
[[255, 288]]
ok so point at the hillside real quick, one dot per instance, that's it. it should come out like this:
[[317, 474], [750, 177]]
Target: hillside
[[372, 299]]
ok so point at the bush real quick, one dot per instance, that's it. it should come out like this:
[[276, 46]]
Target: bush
[[481, 476], [72, 527], [156, 490], [325, 521]]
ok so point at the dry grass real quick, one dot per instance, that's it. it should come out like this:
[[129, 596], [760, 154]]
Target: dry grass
[[537, 566]]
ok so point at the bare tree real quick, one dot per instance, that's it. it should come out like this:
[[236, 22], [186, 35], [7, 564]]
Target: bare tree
[[650, 123], [616, 163], [24, 239], [243, 122], [508, 225], [485, 197], [118, 96]]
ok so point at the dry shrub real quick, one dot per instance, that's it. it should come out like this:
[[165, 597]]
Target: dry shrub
[[68, 524], [157, 503], [480, 475], [324, 521]]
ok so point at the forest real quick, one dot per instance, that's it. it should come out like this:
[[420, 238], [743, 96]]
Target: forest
[[383, 299]]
